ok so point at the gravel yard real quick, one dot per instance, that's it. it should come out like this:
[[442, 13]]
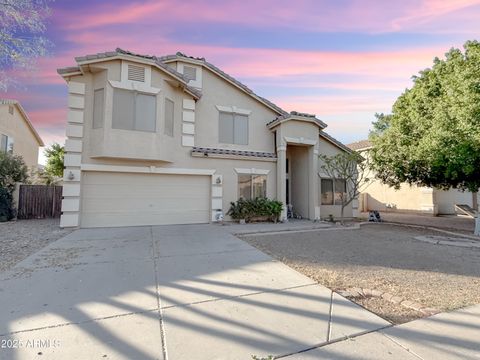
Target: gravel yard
[[19, 239], [385, 258]]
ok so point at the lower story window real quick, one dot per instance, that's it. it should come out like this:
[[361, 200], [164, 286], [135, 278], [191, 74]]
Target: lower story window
[[333, 191], [6, 143], [252, 186]]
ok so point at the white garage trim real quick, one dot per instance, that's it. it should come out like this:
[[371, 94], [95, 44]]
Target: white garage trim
[[146, 169]]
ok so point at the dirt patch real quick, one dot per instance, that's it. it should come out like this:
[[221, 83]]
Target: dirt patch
[[386, 258], [19, 239], [394, 313]]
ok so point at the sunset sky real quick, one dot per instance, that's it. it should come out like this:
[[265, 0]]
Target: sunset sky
[[341, 60]]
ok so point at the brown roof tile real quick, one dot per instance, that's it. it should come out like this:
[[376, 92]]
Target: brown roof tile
[[360, 145]]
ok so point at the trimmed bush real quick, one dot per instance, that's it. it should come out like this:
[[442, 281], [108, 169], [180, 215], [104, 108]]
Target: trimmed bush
[[6, 205], [259, 209]]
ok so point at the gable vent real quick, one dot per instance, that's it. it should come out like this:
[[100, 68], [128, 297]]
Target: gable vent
[[136, 73], [190, 73]]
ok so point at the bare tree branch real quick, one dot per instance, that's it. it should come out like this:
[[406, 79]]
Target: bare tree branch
[[22, 40], [350, 167]]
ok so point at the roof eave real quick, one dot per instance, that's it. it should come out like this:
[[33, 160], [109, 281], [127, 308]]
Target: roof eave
[[335, 142], [30, 125], [314, 121], [82, 61]]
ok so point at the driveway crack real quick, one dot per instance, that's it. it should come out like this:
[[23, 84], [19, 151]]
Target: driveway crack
[[159, 301], [330, 312]]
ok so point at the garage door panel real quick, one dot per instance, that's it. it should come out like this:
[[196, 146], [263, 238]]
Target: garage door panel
[[117, 205], [121, 199]]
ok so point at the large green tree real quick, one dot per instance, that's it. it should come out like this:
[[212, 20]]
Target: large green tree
[[54, 155], [432, 136]]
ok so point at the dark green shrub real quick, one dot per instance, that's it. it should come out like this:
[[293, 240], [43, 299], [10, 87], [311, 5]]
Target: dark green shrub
[[255, 209], [6, 205]]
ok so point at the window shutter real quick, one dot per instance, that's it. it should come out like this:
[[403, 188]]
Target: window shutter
[[190, 73], [225, 131], [98, 108], [169, 117], [136, 73], [240, 129]]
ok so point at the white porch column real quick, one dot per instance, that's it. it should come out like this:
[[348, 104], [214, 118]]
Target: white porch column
[[281, 179], [313, 184]]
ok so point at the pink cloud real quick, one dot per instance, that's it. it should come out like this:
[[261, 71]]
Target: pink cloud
[[310, 15], [336, 104]]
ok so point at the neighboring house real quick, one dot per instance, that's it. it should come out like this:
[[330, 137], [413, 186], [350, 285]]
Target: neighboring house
[[17, 134], [174, 139], [410, 198]]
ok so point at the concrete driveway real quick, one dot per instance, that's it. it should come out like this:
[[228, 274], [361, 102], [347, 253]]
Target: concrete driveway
[[176, 292]]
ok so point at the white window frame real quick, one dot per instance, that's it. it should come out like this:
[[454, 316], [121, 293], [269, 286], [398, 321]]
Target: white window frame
[[134, 112], [8, 140], [334, 203], [252, 176], [233, 110]]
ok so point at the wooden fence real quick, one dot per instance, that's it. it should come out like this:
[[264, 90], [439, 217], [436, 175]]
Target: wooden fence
[[39, 201]]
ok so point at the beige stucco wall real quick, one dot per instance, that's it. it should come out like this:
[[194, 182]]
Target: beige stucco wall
[[25, 143], [382, 197], [446, 200], [218, 92]]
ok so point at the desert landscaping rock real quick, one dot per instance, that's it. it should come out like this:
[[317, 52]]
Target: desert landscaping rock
[[19, 239], [387, 259]]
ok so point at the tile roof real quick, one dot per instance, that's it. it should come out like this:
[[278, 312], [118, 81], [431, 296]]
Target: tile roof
[[109, 54], [181, 56], [68, 70], [335, 141], [297, 115], [360, 145], [25, 116], [217, 151]]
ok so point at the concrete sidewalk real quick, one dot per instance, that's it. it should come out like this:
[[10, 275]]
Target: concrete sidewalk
[[447, 336], [176, 292]]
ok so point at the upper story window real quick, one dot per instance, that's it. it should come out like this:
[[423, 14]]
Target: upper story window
[[6, 143], [190, 73], [98, 108], [11, 109], [169, 117], [233, 128], [134, 111]]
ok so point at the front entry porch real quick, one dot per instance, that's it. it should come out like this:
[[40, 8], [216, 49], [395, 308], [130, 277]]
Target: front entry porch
[[297, 191]]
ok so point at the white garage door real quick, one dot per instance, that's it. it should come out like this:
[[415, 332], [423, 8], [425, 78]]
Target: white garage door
[[125, 199]]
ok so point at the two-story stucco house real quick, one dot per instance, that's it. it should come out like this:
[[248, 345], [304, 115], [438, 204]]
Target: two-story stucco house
[[174, 139], [17, 134]]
